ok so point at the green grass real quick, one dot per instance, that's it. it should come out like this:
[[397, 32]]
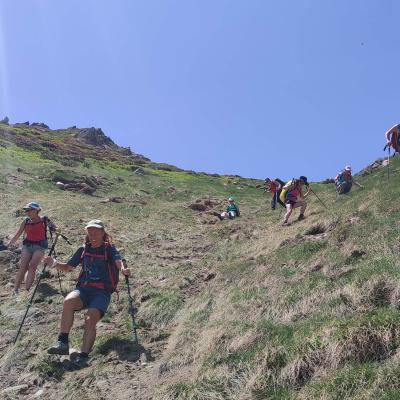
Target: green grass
[[278, 298]]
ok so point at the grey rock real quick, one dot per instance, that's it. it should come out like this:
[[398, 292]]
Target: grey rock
[[16, 389]]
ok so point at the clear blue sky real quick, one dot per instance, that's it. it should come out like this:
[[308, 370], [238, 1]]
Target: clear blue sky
[[257, 88]]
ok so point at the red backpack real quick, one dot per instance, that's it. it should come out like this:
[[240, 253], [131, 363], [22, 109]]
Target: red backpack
[[36, 231], [109, 275]]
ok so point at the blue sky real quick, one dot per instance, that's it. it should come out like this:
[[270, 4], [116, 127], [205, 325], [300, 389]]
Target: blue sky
[[257, 88]]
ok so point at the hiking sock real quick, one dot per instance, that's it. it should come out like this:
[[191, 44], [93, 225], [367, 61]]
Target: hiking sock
[[63, 337]]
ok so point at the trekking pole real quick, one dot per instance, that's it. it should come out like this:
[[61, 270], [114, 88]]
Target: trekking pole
[[312, 191], [131, 306], [59, 277], [65, 238], [37, 284], [55, 255], [388, 161]]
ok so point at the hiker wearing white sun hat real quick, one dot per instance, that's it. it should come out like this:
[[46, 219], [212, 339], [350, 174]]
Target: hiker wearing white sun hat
[[344, 181], [100, 264]]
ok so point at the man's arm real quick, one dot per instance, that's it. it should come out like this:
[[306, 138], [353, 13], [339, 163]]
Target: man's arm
[[53, 263]]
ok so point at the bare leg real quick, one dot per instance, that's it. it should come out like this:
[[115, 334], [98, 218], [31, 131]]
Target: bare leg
[[37, 257], [302, 204], [289, 210], [72, 303], [303, 207], [92, 316], [23, 267]]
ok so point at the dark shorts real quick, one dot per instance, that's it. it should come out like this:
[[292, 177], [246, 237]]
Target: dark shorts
[[94, 298], [34, 246], [344, 188]]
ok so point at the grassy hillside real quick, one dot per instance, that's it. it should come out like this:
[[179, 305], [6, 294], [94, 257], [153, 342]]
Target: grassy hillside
[[242, 309]]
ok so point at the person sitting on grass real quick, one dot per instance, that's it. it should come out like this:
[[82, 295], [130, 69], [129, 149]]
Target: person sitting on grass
[[232, 210], [34, 244], [344, 181], [100, 263]]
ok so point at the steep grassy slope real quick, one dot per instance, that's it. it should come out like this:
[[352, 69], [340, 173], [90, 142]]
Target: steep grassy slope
[[242, 309]]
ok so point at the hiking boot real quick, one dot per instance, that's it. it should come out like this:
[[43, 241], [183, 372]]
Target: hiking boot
[[60, 348], [80, 362], [301, 217]]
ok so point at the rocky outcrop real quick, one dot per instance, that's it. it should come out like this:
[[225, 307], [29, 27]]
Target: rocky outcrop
[[40, 125], [82, 184], [328, 180], [204, 204], [379, 163], [94, 137]]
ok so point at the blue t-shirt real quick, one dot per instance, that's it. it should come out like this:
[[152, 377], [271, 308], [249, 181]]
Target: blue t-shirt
[[91, 269]]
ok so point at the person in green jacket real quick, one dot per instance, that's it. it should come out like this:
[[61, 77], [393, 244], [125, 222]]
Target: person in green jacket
[[232, 210]]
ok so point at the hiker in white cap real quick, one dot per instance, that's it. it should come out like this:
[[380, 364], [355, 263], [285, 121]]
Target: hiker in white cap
[[34, 227], [344, 181], [100, 264]]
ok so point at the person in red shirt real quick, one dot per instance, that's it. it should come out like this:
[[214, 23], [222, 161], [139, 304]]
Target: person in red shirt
[[34, 244], [274, 187]]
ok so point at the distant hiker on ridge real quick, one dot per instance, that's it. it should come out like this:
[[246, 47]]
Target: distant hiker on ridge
[[344, 181], [34, 244], [98, 279], [293, 197], [275, 187], [232, 210], [393, 138]]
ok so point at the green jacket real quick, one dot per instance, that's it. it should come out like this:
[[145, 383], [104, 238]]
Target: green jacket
[[234, 208]]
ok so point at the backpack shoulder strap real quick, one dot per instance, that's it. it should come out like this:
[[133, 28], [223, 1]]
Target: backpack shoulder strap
[[85, 245]]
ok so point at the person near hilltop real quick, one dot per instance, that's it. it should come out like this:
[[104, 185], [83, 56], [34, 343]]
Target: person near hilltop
[[100, 264], [232, 210], [392, 136], [34, 227], [344, 181], [274, 186], [293, 197]]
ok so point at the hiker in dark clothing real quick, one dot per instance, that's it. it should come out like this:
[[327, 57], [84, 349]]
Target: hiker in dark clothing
[[232, 210], [274, 187], [98, 279]]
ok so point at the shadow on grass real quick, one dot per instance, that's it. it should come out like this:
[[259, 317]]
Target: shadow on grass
[[46, 290], [127, 350]]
